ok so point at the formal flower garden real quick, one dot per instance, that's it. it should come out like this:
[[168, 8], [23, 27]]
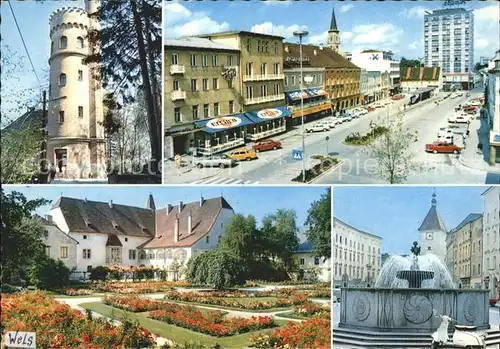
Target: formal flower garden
[[59, 326]]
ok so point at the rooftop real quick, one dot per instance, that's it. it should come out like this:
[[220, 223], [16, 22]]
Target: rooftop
[[241, 33], [420, 74], [433, 220], [314, 56], [196, 42], [335, 220], [469, 219]]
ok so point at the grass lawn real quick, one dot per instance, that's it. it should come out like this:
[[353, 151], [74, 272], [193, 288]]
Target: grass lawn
[[243, 300], [291, 315], [172, 332], [55, 295]]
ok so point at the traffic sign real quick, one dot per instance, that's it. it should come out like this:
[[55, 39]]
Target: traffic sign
[[297, 154]]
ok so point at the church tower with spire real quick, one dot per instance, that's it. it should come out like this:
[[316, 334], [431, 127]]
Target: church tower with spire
[[433, 232], [334, 34]]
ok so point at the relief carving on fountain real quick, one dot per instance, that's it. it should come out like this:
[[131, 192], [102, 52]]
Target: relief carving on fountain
[[471, 309], [417, 309], [361, 307]]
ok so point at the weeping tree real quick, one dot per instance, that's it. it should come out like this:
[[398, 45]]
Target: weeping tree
[[129, 57]]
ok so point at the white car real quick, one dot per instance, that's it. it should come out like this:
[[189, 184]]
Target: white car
[[378, 105], [362, 111], [330, 122], [317, 127], [444, 132], [335, 120], [459, 119], [454, 95], [475, 103], [460, 93]]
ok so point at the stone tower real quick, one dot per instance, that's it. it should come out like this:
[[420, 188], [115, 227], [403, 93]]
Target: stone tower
[[433, 232], [75, 133], [334, 34]]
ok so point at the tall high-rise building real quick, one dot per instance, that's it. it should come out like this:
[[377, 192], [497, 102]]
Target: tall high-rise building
[[74, 126], [449, 44]]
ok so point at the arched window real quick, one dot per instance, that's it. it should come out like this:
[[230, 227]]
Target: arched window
[[62, 79], [64, 42], [161, 255], [169, 254], [79, 42]]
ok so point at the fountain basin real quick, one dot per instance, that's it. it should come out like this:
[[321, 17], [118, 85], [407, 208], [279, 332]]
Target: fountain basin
[[411, 310], [415, 277]]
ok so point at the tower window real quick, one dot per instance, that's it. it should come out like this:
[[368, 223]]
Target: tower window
[[79, 42], [80, 112], [62, 80], [63, 43], [80, 75], [61, 117]]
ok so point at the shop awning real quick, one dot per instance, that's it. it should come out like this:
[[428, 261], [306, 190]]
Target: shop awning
[[316, 92], [296, 95], [268, 114], [223, 123]]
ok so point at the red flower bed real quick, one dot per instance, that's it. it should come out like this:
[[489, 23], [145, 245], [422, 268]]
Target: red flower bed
[[58, 326], [136, 287], [309, 334], [134, 304], [209, 322], [310, 309], [231, 302], [75, 292]]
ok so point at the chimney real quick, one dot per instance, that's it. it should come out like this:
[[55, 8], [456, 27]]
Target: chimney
[[202, 200], [176, 229], [180, 207], [315, 52], [110, 203], [190, 223], [169, 208], [286, 48], [48, 217]]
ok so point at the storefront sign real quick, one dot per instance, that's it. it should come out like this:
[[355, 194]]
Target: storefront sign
[[494, 138], [224, 122], [297, 94], [291, 59], [269, 113], [312, 110]]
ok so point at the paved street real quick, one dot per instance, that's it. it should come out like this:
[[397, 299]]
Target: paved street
[[278, 167]]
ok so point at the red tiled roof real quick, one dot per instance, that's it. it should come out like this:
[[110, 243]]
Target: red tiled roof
[[202, 220]]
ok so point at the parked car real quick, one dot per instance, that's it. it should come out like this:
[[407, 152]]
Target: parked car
[[459, 119], [242, 154], [317, 127], [454, 95], [476, 103], [460, 93], [371, 108], [444, 131], [378, 104], [330, 122], [346, 116], [442, 147], [221, 161], [362, 111], [334, 119], [397, 97], [267, 144]]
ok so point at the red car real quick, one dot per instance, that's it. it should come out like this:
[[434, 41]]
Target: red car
[[442, 147], [267, 144], [371, 108], [397, 98]]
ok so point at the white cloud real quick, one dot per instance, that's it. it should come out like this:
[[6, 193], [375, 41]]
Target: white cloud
[[270, 28], [346, 36], [414, 12], [317, 39], [277, 2], [486, 31], [345, 7], [199, 26], [175, 12], [384, 36]]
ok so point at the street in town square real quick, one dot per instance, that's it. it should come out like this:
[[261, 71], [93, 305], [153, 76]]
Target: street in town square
[[424, 118]]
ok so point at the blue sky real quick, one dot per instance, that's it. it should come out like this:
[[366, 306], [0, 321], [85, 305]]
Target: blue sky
[[258, 201], [395, 213], [394, 25]]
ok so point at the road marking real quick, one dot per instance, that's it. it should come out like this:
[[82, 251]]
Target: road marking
[[224, 181]]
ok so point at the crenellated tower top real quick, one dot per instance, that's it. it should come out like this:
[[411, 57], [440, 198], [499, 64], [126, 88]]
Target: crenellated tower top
[[68, 17]]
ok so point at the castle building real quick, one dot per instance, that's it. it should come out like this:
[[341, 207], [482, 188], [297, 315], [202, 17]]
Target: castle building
[[334, 34], [433, 233], [74, 126]]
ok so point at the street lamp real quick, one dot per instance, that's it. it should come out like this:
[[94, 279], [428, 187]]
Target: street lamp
[[301, 34]]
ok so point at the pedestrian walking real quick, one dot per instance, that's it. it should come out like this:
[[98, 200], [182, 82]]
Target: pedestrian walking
[[480, 148], [178, 161]]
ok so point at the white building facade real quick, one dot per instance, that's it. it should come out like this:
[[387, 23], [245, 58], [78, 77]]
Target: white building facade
[[491, 241], [449, 44], [74, 125], [432, 233], [356, 254], [314, 268], [493, 108]]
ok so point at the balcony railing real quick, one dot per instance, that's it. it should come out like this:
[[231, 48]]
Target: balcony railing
[[253, 77], [258, 100], [265, 134], [177, 69], [177, 95]]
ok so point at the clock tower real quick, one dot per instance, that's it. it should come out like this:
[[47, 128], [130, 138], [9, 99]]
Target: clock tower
[[334, 34], [433, 232]]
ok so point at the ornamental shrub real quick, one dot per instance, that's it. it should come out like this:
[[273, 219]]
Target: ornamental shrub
[[216, 268], [99, 273]]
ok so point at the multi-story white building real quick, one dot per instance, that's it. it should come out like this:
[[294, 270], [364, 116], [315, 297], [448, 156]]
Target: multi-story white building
[[432, 233], [105, 234], [356, 254], [491, 238], [449, 44], [74, 126], [382, 62], [313, 267], [493, 107]]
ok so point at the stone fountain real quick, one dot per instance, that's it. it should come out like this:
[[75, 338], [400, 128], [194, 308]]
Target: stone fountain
[[407, 294]]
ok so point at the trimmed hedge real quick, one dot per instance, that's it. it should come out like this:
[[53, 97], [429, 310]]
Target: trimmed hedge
[[325, 164]]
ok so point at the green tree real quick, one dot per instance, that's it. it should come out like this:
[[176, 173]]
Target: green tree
[[407, 63], [479, 66], [217, 268], [239, 237], [319, 225], [22, 247], [392, 153], [280, 233]]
